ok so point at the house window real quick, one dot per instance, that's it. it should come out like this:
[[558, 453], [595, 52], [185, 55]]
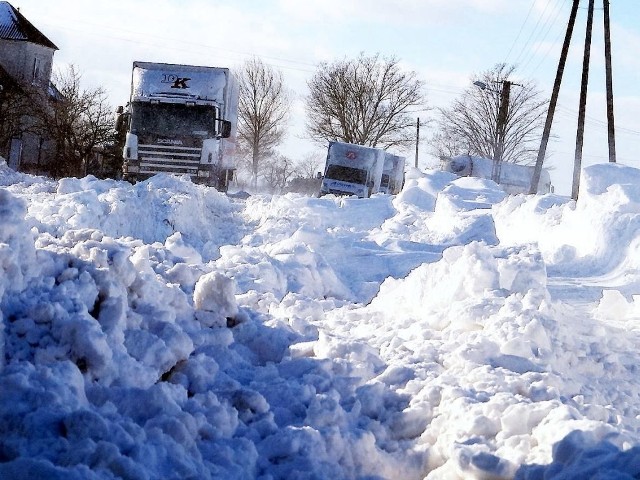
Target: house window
[[36, 70]]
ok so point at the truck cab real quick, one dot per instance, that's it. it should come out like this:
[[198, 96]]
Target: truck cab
[[180, 119], [352, 170]]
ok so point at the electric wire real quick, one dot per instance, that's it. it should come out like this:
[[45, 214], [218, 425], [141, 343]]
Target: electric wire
[[551, 45], [529, 40], [513, 44], [547, 53], [590, 120]]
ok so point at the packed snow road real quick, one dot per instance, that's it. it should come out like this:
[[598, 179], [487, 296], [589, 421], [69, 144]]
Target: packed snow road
[[164, 330]]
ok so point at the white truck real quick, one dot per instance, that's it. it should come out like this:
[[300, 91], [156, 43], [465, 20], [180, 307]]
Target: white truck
[[392, 174], [513, 178], [352, 170], [180, 119]]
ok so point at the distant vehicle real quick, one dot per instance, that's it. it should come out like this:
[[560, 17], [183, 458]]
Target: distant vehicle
[[513, 178], [180, 119], [352, 170], [392, 174]]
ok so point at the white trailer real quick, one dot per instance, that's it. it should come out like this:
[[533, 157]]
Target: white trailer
[[392, 174], [352, 170], [513, 178], [180, 119]]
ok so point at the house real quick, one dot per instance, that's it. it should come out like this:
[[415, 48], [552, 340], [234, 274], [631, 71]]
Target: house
[[26, 59]]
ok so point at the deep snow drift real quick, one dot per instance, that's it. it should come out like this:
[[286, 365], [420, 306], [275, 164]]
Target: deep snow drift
[[167, 331]]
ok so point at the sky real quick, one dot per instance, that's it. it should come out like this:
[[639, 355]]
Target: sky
[[445, 42], [164, 330]]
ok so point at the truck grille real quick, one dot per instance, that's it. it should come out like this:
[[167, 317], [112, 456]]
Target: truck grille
[[168, 159]]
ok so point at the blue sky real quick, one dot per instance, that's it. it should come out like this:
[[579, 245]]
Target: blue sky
[[445, 41]]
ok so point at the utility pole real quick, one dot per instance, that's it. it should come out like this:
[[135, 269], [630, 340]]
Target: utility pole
[[417, 140], [501, 124], [535, 179], [609, 80], [501, 130], [583, 104]]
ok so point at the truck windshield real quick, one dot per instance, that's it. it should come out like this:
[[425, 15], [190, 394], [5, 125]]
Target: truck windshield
[[346, 174], [385, 180], [172, 119]]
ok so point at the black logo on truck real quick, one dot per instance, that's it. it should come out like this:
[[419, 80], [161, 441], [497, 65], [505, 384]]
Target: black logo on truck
[[175, 80]]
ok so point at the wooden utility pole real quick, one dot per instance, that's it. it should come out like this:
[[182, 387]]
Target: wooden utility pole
[[535, 179], [583, 104], [607, 58], [417, 140], [501, 128]]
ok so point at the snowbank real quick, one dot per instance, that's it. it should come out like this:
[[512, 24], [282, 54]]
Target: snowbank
[[164, 330]]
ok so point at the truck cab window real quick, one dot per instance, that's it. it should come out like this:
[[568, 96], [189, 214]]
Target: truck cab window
[[346, 174], [167, 119]]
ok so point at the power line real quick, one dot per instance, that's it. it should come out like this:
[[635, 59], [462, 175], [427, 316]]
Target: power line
[[570, 113], [595, 156], [513, 44], [546, 54], [535, 29]]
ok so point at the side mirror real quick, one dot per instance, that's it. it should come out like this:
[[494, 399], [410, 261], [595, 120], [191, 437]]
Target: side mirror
[[225, 128]]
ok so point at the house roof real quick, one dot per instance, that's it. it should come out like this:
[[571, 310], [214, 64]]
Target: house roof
[[14, 26]]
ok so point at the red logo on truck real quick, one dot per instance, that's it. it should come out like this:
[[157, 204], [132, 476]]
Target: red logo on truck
[[351, 155]]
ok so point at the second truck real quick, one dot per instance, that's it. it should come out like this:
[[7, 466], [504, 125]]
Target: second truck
[[352, 170], [362, 171], [180, 119], [392, 174]]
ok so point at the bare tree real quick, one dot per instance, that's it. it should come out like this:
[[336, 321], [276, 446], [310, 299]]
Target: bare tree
[[470, 124], [310, 165], [16, 104], [263, 109], [306, 176], [278, 171], [11, 111], [366, 101], [78, 121]]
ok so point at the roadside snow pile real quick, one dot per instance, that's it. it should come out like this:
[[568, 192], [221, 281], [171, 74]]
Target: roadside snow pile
[[129, 359], [578, 237], [150, 211], [164, 330], [13, 180]]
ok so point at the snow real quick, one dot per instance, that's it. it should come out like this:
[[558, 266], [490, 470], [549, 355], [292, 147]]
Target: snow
[[164, 330]]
